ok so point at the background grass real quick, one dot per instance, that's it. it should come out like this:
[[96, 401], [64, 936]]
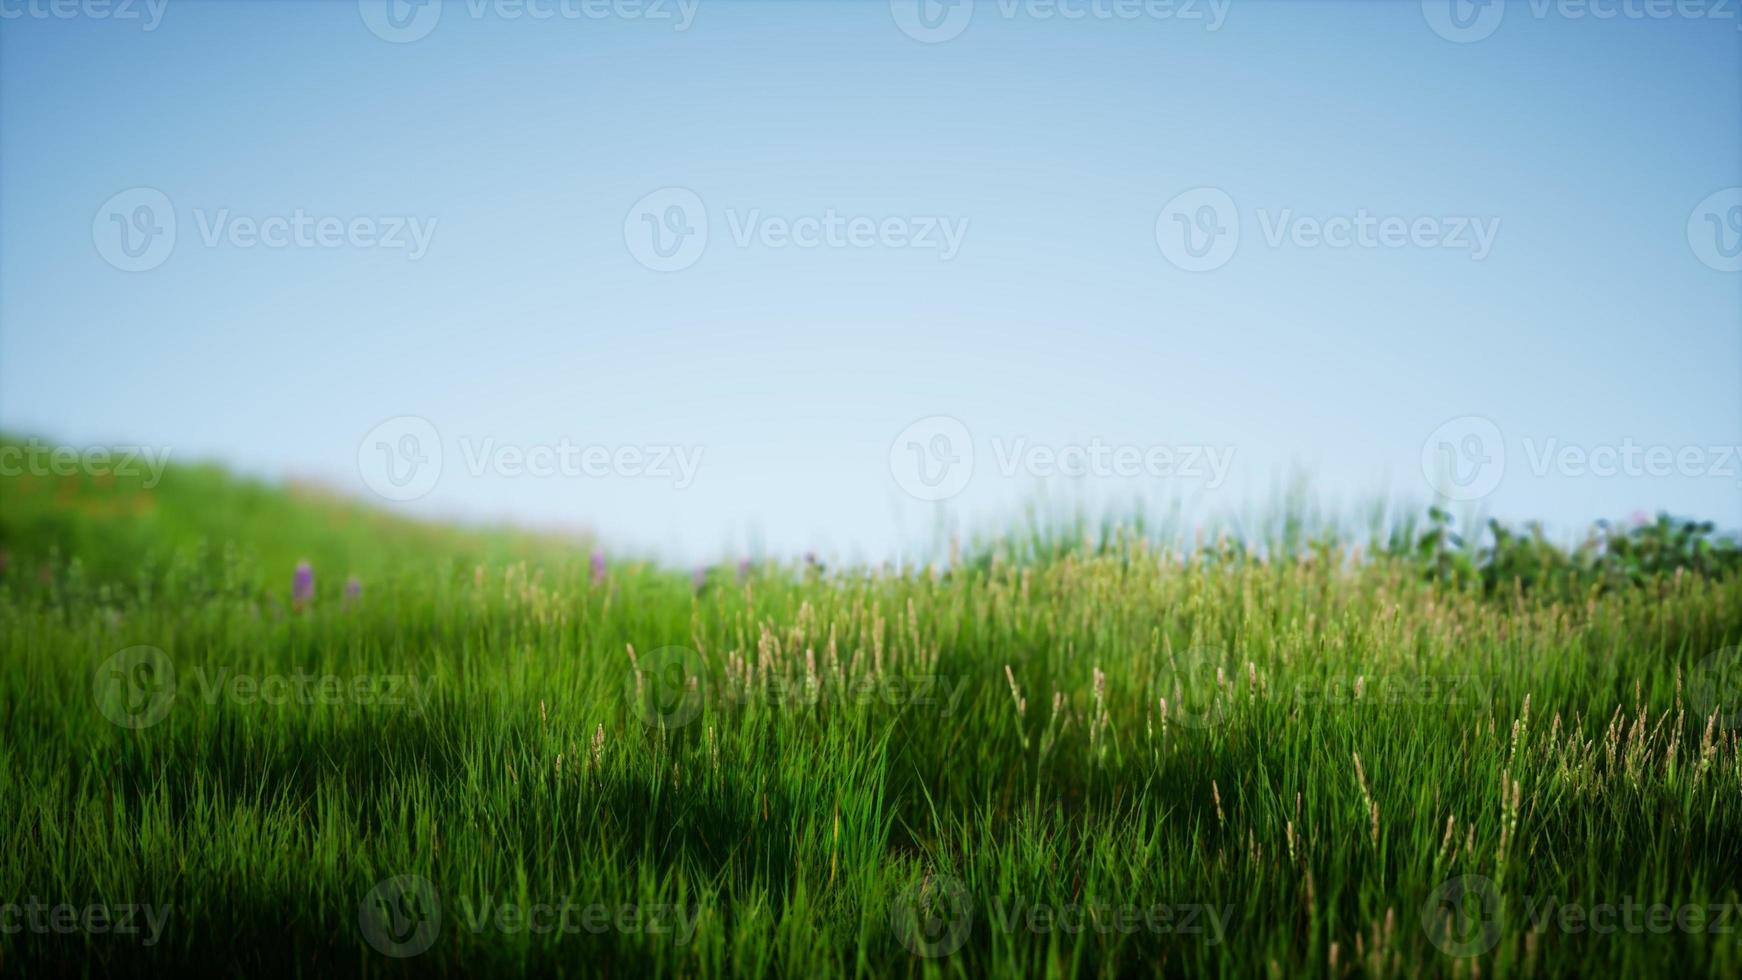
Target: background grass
[[837, 771]]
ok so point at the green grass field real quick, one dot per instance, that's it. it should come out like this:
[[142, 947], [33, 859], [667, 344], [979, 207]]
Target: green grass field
[[1108, 753]]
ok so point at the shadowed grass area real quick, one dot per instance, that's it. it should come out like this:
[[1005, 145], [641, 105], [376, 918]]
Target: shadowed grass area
[[1069, 754]]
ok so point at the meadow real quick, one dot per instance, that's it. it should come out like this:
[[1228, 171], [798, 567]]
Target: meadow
[[264, 730]]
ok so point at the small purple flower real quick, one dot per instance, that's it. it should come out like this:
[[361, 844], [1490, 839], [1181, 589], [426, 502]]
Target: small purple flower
[[699, 577], [302, 586], [598, 566], [353, 589]]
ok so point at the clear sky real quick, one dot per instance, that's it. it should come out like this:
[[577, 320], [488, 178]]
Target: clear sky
[[1295, 237]]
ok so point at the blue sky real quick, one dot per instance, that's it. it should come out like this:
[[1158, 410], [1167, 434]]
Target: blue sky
[[993, 220]]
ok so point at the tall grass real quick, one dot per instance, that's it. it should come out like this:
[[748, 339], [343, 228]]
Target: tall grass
[[1065, 755]]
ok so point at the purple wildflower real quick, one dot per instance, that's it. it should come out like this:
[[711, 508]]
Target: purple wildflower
[[598, 566], [699, 577], [302, 586], [353, 589]]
